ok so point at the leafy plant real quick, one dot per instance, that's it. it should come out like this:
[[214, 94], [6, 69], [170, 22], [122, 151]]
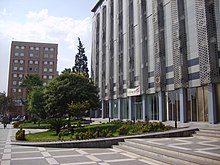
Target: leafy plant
[[57, 124], [123, 130]]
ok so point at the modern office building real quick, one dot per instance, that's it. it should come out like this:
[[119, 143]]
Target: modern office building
[[158, 59], [29, 58]]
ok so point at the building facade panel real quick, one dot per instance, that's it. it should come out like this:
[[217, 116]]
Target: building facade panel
[[162, 59]]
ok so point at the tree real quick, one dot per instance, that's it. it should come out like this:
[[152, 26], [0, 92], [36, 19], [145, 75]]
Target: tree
[[36, 102], [6, 104], [70, 88], [30, 81], [78, 109], [81, 64]]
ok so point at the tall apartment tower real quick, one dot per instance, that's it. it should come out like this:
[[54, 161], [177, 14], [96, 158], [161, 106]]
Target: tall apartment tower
[[29, 58], [157, 59]]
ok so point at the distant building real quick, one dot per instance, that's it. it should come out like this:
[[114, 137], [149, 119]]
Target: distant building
[[29, 58], [158, 59]]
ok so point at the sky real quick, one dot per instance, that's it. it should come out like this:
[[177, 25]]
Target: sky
[[49, 21]]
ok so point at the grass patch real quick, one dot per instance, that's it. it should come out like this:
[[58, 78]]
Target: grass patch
[[99, 130]]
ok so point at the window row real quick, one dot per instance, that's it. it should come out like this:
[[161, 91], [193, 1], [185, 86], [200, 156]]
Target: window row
[[18, 75], [47, 77], [18, 61], [21, 68], [16, 90], [33, 55], [48, 69], [16, 82], [34, 48], [48, 62]]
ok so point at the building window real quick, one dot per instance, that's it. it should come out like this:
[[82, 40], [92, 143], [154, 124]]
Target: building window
[[16, 54], [50, 77], [21, 68], [14, 90], [35, 69], [32, 48], [14, 82], [36, 62], [51, 55], [15, 68], [20, 75], [19, 83], [31, 55], [15, 61], [45, 55], [51, 49], [21, 61], [19, 90], [22, 47], [45, 62], [45, 69], [15, 75], [37, 48], [30, 69], [51, 62], [50, 70], [30, 62], [21, 54], [46, 49], [16, 47], [44, 84], [44, 77], [36, 55]]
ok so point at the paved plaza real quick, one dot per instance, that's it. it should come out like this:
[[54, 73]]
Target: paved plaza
[[22, 155]]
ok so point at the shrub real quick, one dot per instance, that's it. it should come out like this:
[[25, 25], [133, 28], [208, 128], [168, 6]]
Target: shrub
[[106, 133], [57, 124], [16, 125], [20, 135], [123, 130], [117, 122]]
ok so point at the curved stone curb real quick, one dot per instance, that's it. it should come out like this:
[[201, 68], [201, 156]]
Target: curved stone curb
[[108, 142]]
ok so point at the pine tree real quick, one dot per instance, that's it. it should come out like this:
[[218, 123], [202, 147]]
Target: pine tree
[[81, 64]]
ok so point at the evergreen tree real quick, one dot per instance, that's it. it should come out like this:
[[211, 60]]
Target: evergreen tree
[[81, 62]]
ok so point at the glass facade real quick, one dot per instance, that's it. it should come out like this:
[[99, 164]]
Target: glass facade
[[152, 107], [173, 104]]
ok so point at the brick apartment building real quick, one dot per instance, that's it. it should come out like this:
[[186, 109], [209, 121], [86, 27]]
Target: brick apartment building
[[29, 58]]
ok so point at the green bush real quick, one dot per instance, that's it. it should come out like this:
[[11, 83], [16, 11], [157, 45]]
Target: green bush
[[123, 130], [20, 135], [16, 125], [106, 133], [57, 124]]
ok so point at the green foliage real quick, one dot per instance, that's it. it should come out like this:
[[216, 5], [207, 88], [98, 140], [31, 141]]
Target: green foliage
[[78, 109], [106, 133], [30, 81], [123, 130], [20, 135], [36, 102], [70, 89], [57, 124], [81, 62], [16, 125]]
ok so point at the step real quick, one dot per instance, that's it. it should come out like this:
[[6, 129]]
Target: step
[[207, 134], [146, 154], [211, 131], [169, 155]]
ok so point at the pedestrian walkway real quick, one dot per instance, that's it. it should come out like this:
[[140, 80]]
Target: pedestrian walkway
[[22, 155]]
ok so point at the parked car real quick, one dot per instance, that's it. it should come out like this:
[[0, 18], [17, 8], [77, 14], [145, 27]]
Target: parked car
[[18, 118]]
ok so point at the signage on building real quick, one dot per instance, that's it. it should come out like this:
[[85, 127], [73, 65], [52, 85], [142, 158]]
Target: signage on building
[[133, 91]]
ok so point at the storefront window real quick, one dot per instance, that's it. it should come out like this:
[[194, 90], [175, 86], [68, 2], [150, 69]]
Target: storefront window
[[173, 102], [152, 107], [125, 108], [115, 109]]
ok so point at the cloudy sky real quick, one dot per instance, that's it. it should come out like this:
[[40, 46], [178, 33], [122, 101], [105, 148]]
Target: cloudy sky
[[53, 21]]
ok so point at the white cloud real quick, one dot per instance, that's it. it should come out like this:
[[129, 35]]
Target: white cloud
[[3, 12], [41, 27]]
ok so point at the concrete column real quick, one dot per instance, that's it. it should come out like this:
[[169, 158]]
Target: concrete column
[[212, 104], [162, 108], [110, 104], [144, 106], [120, 108], [131, 114], [183, 102], [103, 109]]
